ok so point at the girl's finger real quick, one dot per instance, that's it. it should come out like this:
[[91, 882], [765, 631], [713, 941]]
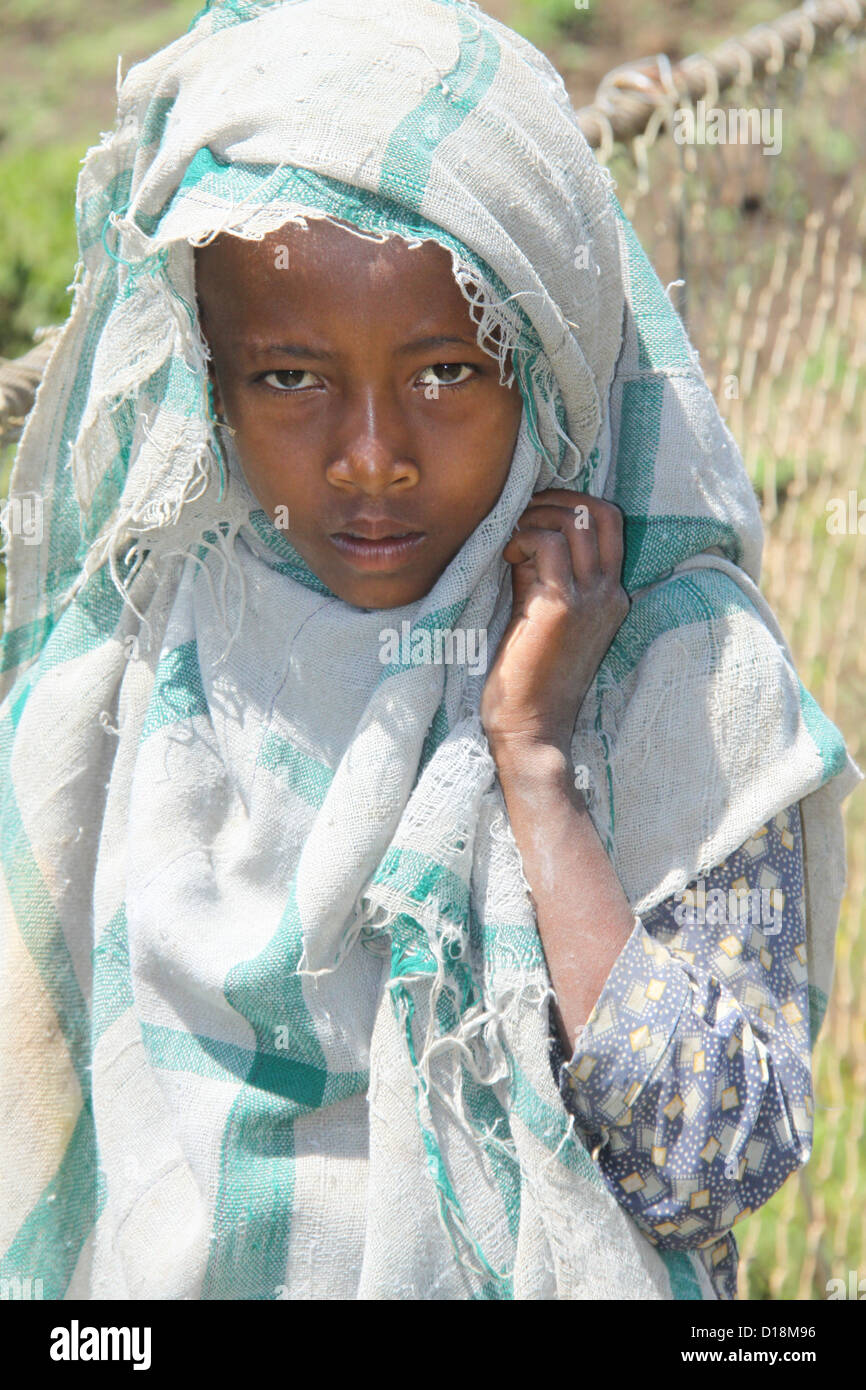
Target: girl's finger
[[582, 541], [609, 527], [544, 552], [606, 516]]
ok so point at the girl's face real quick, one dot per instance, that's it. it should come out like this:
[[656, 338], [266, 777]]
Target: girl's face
[[361, 402]]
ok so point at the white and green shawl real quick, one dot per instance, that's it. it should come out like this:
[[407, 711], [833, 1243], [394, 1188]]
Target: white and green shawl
[[273, 1007]]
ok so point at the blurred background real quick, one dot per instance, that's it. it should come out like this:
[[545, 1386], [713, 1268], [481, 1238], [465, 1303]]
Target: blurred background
[[768, 250]]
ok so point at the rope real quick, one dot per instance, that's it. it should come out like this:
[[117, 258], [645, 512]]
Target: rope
[[628, 96], [18, 382]]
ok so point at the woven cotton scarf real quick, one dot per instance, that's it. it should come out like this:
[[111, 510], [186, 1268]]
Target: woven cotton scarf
[[274, 1010]]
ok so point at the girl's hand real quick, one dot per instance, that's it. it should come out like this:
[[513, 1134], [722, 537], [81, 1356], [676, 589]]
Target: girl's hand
[[568, 603]]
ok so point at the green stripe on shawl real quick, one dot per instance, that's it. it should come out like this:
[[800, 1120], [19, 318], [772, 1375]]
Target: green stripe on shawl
[[409, 155], [85, 625], [253, 1213], [510, 946], [178, 692], [82, 627], [51, 1238], [170, 1049], [491, 1292], [550, 1126], [90, 216], [417, 877], [684, 599], [49, 1242], [436, 735], [18, 698], [110, 486], [155, 118], [825, 736], [694, 598], [684, 1282], [506, 946], [308, 1087], [662, 341], [23, 643], [654, 544], [484, 1107], [308, 778], [291, 563], [112, 980], [641, 414]]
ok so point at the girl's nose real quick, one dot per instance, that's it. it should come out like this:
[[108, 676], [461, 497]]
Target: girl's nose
[[374, 448]]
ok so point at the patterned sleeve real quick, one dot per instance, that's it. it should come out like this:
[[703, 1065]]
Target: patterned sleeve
[[691, 1079]]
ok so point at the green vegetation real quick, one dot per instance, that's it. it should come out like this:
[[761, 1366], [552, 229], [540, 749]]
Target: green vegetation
[[624, 29], [58, 71], [37, 241], [57, 94], [547, 23]]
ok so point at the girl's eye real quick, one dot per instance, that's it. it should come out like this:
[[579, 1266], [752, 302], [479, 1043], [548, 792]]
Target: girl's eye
[[449, 379], [287, 380]]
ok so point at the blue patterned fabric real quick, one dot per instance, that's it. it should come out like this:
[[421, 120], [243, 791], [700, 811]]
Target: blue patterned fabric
[[691, 1079]]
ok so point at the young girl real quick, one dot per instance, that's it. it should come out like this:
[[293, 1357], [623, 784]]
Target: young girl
[[420, 859]]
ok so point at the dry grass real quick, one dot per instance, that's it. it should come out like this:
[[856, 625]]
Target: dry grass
[[776, 304]]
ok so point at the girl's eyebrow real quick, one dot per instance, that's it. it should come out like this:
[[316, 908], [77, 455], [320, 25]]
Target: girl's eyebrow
[[439, 340], [259, 349]]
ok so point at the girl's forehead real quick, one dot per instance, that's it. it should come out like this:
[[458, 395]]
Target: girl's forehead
[[324, 258], [321, 245]]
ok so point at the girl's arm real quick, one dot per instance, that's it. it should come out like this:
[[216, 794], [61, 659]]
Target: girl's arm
[[584, 917], [567, 603]]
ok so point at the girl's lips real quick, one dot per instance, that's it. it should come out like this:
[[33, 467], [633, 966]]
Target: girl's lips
[[384, 555]]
